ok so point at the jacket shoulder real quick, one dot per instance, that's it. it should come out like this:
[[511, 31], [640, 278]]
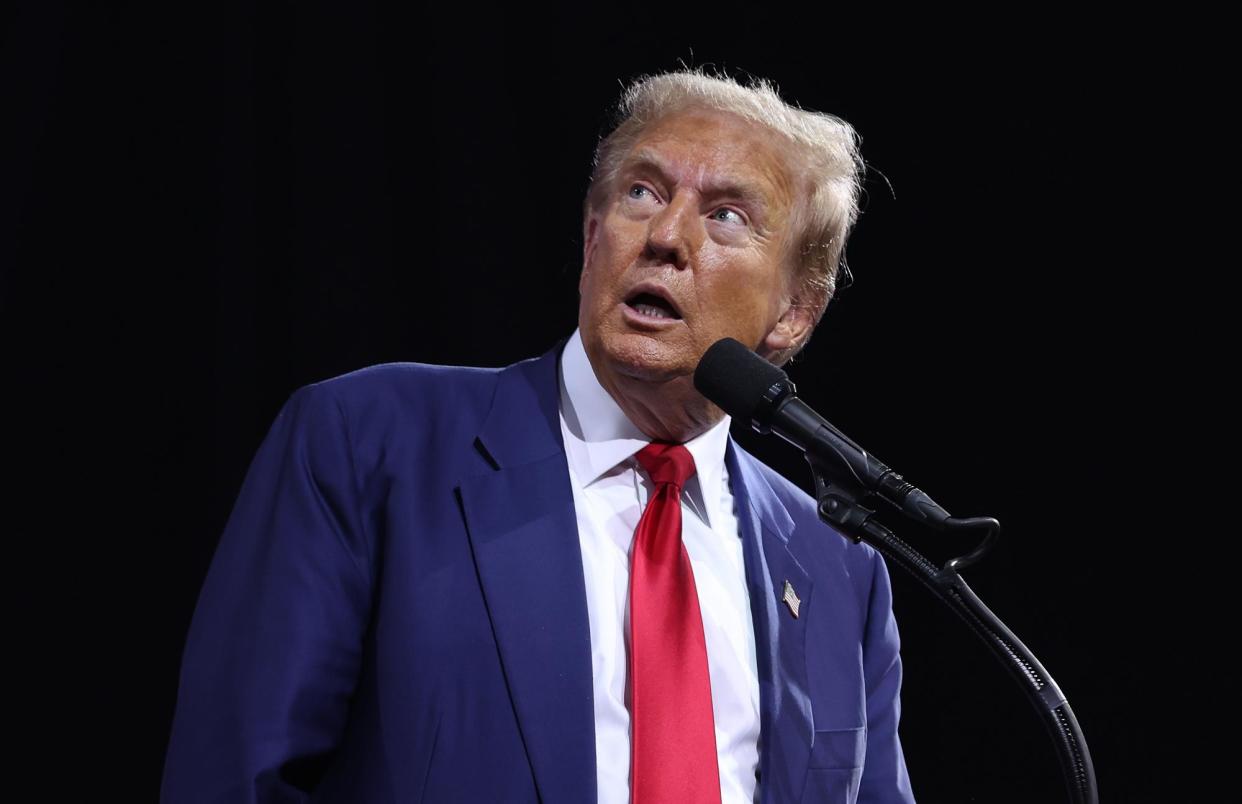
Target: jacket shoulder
[[385, 391], [413, 383], [391, 417]]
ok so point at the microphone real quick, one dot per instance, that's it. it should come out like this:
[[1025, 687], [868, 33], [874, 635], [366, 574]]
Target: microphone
[[751, 389]]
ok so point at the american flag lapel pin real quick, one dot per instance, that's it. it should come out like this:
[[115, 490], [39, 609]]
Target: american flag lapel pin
[[790, 599]]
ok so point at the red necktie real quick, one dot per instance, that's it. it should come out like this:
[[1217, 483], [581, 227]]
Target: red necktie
[[673, 757]]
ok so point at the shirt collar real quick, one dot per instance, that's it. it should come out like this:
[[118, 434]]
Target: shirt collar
[[601, 436]]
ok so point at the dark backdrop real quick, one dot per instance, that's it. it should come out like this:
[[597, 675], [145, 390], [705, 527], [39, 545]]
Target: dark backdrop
[[209, 208]]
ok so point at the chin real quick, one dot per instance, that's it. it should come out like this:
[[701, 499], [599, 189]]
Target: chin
[[640, 356]]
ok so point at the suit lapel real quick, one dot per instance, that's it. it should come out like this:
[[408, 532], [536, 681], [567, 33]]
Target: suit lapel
[[520, 517], [780, 638], [523, 531]]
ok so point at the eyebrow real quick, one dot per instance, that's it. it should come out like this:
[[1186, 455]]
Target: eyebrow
[[719, 185]]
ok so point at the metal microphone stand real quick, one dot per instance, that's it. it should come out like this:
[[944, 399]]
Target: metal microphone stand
[[839, 506]]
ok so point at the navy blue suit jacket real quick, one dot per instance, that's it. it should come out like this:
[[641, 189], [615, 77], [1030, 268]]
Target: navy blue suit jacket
[[396, 613]]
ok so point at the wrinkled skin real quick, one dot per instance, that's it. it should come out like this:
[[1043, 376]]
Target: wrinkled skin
[[699, 215]]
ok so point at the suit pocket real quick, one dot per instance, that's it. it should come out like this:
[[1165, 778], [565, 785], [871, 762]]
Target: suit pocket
[[834, 771], [832, 786], [839, 748]]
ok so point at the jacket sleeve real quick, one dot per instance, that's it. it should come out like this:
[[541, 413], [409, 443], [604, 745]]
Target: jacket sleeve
[[885, 780], [273, 651]]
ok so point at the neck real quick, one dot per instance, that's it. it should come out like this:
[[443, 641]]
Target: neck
[[666, 410]]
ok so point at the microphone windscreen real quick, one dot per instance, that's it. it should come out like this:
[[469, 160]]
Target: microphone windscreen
[[735, 378]]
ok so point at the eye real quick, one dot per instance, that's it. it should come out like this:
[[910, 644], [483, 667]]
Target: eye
[[640, 192], [726, 215]]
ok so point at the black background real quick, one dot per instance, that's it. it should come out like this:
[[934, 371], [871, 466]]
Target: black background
[[210, 207]]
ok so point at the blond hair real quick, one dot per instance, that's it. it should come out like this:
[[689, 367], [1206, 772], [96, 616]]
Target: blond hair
[[825, 148]]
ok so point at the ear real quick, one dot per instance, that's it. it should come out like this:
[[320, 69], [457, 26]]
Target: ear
[[791, 330], [590, 236]]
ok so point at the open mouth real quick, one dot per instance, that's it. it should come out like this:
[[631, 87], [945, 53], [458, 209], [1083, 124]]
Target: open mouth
[[653, 306]]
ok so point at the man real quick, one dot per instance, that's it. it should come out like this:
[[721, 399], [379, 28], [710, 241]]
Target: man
[[561, 581]]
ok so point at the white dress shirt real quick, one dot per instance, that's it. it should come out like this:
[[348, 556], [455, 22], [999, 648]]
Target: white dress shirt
[[610, 492]]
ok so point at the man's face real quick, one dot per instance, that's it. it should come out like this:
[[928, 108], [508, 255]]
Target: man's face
[[687, 247]]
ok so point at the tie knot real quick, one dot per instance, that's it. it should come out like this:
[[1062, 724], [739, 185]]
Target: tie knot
[[667, 463]]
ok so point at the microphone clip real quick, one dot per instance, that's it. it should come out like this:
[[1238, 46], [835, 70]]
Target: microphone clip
[[837, 504]]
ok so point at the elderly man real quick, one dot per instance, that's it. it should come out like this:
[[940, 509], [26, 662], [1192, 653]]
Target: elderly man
[[561, 581]]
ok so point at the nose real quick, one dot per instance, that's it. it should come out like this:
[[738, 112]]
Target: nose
[[675, 233]]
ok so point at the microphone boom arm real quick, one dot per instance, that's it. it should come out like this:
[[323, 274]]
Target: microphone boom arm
[[838, 505], [751, 389]]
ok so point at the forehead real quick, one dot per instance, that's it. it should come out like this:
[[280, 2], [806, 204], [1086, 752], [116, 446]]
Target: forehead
[[708, 148]]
